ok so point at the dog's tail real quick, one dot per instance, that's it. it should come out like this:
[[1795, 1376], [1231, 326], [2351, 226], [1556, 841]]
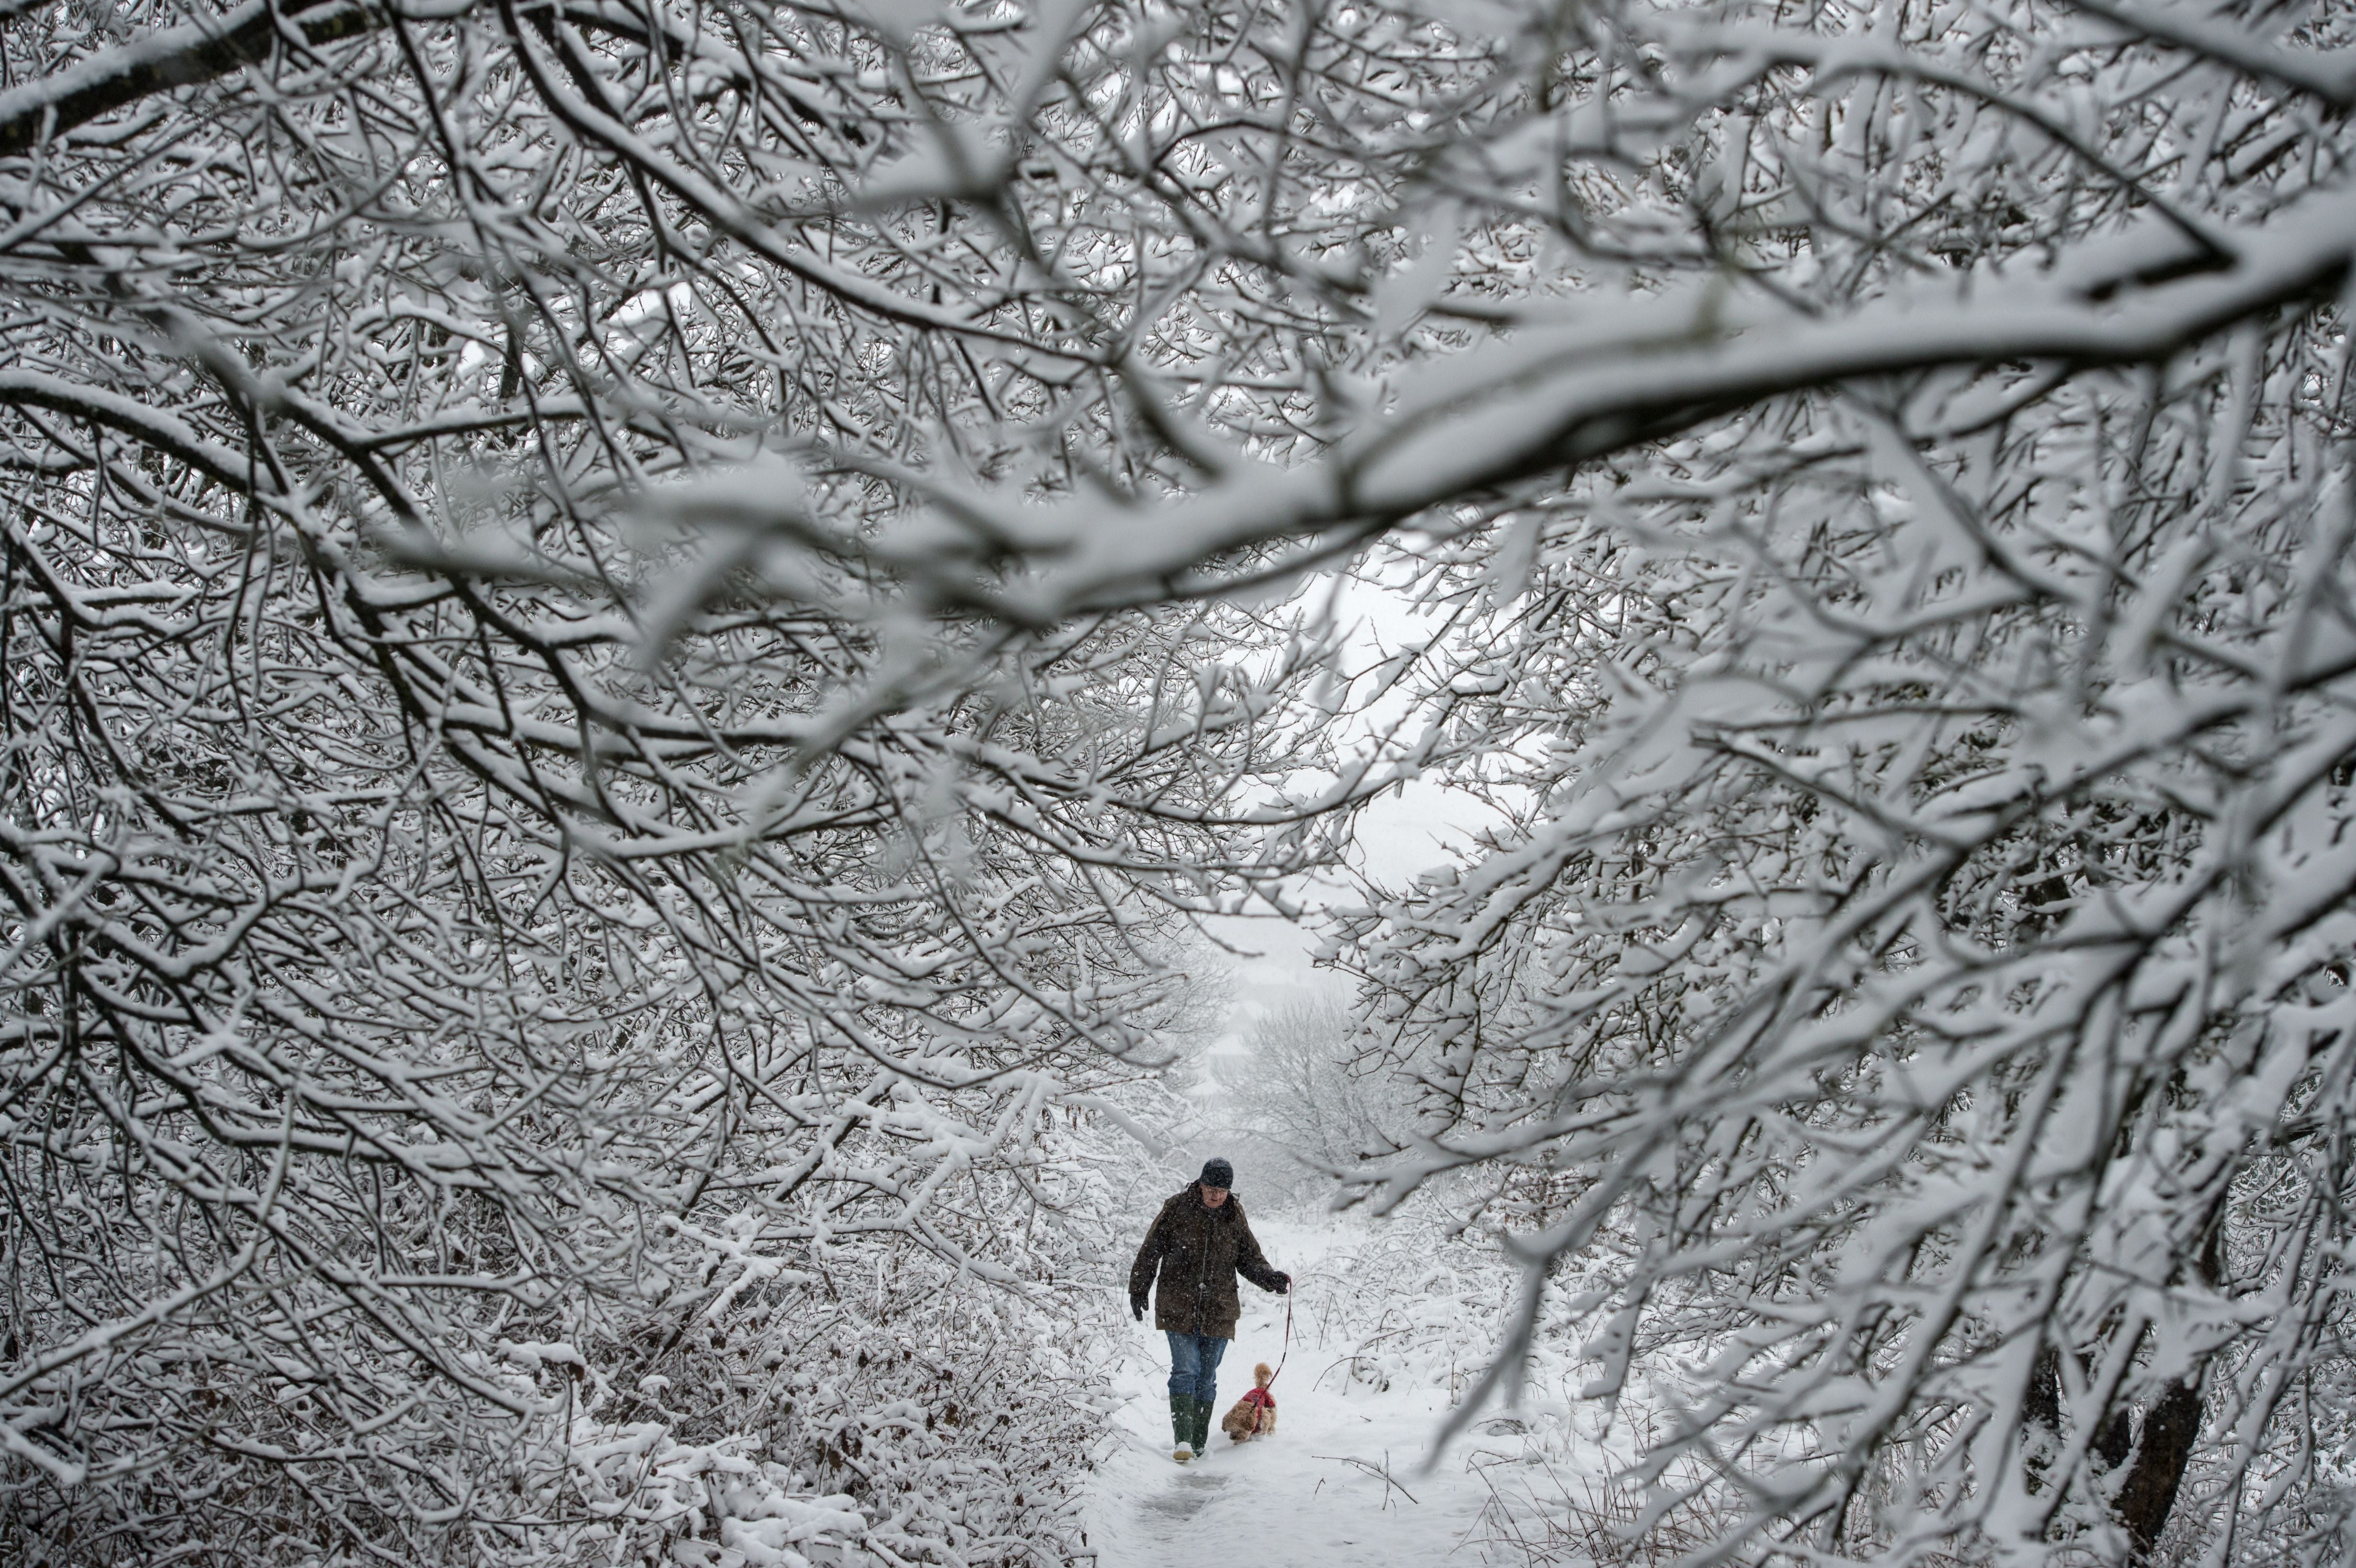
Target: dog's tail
[[1261, 1374]]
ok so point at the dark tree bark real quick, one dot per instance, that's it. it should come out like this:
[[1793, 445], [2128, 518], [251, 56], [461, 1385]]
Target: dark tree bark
[[2114, 1439], [2149, 1494], [2043, 1402], [184, 57]]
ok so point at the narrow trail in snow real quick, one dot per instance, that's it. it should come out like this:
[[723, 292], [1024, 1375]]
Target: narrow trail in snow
[[1293, 1500]]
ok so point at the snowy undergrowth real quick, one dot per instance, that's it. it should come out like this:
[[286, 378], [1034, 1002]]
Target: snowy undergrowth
[[1422, 1302], [920, 1419], [886, 1412]]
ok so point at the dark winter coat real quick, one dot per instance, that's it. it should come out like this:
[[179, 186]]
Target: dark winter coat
[[1198, 1252]]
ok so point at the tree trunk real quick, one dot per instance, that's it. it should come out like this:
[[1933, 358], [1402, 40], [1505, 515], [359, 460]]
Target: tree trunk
[[2169, 1429]]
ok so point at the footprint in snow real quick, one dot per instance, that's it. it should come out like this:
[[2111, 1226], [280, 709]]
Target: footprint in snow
[[1185, 1498]]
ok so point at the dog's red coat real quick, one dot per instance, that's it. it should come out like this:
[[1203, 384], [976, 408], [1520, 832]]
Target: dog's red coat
[[1254, 1415]]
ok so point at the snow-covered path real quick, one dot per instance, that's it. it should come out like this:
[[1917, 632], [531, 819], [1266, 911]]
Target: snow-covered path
[[1294, 1498]]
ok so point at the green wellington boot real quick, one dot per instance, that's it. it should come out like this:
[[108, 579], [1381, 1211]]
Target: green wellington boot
[[1201, 1431], [1182, 1427]]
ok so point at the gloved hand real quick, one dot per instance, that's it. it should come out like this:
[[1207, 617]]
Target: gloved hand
[[1137, 1308], [1283, 1282]]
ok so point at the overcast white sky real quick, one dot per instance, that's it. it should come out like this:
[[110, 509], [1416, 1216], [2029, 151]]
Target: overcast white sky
[[1397, 836]]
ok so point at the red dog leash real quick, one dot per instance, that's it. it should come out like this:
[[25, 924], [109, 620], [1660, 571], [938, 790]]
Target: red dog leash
[[1259, 1398], [1288, 1333]]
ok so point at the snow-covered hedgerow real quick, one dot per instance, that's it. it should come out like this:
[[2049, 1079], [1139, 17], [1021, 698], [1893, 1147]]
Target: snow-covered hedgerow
[[756, 1399], [910, 1420]]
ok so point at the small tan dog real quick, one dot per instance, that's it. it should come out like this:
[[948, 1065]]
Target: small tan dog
[[1254, 1415]]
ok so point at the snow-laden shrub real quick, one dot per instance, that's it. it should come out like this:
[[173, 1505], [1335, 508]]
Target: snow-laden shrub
[[1407, 1303], [911, 1419], [769, 1393], [956, 1418]]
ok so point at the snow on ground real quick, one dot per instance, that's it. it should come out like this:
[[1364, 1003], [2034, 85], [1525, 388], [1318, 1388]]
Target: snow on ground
[[1315, 1493]]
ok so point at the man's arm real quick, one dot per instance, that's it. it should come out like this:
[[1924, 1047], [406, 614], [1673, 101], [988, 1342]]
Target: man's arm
[[1253, 1266], [1149, 1258]]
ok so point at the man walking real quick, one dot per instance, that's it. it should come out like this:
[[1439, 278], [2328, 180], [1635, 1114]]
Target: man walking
[[1198, 1243]]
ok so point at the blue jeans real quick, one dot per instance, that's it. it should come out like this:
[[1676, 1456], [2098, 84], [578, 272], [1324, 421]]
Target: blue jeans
[[1194, 1364]]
